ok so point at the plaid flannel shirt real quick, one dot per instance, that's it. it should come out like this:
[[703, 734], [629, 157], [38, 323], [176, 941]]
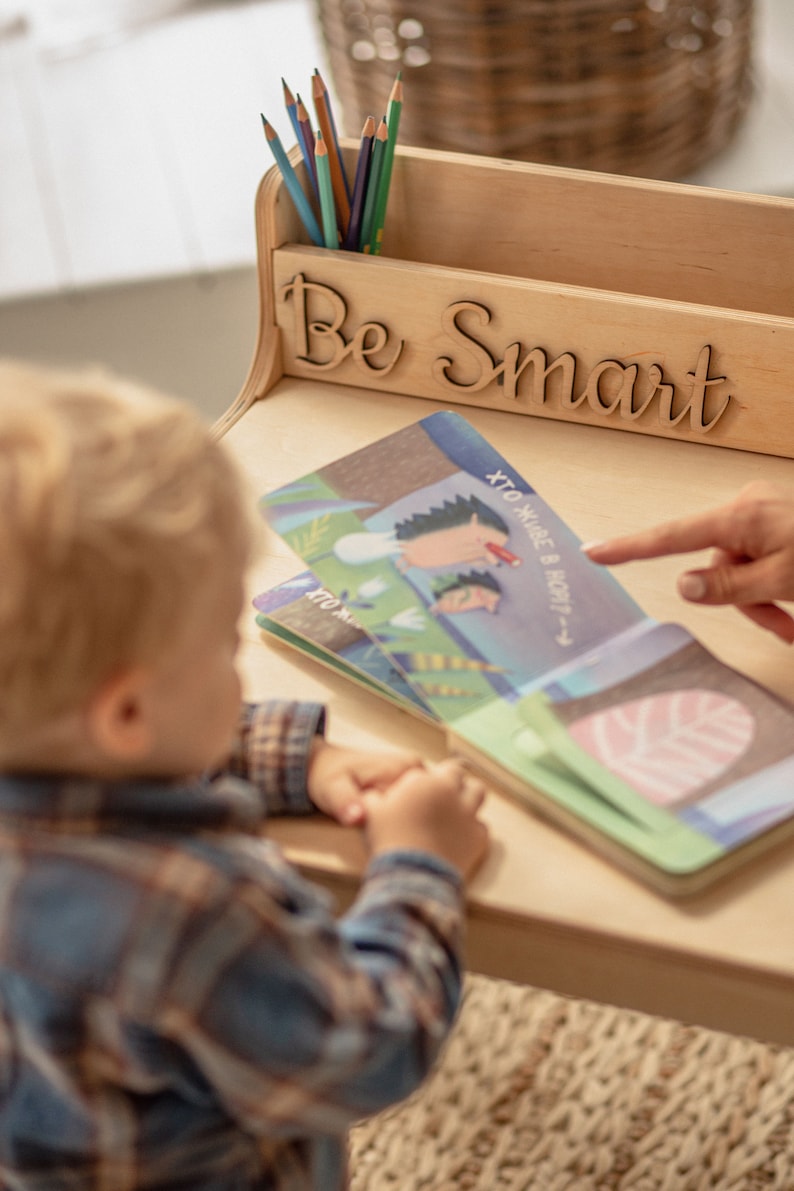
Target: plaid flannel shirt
[[178, 1007]]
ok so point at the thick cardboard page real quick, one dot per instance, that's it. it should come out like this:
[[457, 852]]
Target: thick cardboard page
[[304, 615]]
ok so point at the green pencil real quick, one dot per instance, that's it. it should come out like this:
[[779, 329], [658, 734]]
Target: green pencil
[[393, 120], [373, 186], [327, 206]]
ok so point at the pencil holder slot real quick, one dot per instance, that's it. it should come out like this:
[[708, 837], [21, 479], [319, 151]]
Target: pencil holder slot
[[651, 88]]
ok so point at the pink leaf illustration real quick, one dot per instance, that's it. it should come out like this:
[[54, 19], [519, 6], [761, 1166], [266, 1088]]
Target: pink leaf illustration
[[667, 746]]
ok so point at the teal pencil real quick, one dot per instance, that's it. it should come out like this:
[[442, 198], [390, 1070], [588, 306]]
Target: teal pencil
[[327, 206], [370, 202], [293, 185], [393, 120]]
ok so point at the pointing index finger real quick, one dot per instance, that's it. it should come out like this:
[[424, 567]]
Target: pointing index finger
[[679, 536]]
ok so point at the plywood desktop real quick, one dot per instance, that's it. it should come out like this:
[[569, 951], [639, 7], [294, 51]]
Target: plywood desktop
[[544, 909]]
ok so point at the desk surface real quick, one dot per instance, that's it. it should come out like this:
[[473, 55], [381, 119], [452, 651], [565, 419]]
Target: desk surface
[[544, 909]]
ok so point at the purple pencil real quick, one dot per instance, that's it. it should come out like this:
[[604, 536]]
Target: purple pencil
[[307, 142], [353, 234]]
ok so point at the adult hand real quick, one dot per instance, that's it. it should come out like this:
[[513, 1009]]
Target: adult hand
[[752, 564]]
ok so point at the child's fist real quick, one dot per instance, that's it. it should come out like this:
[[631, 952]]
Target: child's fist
[[434, 810], [339, 777]]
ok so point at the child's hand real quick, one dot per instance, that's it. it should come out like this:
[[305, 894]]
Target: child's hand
[[338, 778], [431, 809]]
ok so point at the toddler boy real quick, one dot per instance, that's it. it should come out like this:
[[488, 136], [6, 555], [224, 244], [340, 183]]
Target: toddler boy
[[178, 1007]]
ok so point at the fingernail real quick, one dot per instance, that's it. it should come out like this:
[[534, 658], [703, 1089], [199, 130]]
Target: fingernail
[[587, 546], [692, 586]]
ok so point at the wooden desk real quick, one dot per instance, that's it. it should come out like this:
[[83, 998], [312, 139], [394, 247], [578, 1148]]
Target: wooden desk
[[543, 909]]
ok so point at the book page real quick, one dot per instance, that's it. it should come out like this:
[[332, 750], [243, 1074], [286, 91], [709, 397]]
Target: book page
[[452, 562]]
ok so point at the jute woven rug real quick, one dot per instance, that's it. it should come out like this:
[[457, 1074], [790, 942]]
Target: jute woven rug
[[536, 1092]]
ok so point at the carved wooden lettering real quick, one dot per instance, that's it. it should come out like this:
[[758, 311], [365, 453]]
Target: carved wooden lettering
[[311, 334], [508, 370], [610, 388], [701, 383]]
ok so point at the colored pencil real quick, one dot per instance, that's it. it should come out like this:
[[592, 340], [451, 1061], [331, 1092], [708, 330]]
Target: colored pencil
[[393, 120], [375, 169], [329, 107], [327, 207], [332, 122], [293, 185], [291, 106], [307, 142], [351, 240], [325, 119]]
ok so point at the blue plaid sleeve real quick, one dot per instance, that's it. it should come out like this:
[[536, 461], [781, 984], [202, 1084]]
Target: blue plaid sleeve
[[303, 1023], [272, 749]]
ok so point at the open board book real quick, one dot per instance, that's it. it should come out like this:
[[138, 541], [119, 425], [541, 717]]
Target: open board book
[[440, 578]]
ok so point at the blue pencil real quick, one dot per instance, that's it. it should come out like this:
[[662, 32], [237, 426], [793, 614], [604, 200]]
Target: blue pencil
[[291, 106], [351, 240], [293, 185]]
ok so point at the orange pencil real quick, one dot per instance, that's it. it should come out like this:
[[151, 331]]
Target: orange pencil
[[338, 178], [335, 137]]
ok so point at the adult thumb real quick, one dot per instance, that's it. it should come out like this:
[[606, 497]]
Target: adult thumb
[[729, 583]]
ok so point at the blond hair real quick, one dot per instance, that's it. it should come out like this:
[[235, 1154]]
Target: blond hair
[[115, 507]]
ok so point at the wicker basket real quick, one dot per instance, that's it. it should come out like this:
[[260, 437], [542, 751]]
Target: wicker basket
[[651, 88]]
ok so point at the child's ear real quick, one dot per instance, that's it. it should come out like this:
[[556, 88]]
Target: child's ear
[[117, 716]]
